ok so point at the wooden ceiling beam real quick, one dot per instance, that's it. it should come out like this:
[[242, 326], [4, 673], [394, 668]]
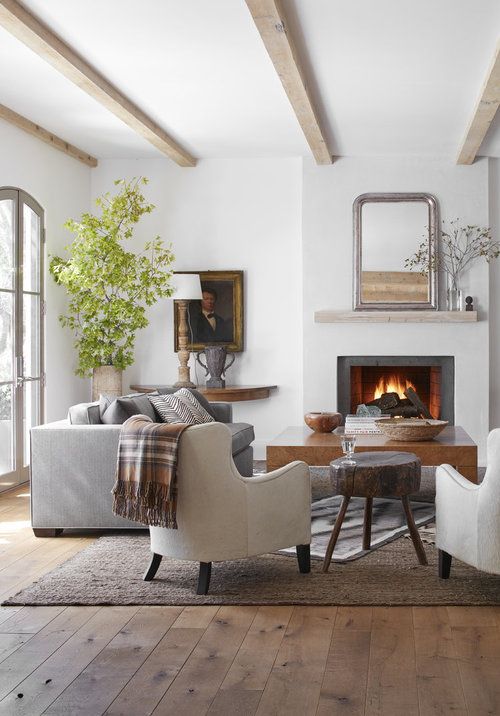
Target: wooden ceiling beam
[[45, 136], [39, 38], [270, 21], [484, 112]]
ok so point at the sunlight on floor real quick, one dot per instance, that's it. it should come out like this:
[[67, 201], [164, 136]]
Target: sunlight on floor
[[12, 527]]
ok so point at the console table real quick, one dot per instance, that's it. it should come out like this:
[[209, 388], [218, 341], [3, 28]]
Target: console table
[[229, 394]]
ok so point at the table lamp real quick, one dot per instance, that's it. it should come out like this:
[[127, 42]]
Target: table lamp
[[187, 288]]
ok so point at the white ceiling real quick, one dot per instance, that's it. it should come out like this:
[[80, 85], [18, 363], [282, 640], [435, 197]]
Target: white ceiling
[[391, 77]]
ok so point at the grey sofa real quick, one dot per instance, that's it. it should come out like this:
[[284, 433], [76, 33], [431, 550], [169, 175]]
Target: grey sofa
[[73, 466]]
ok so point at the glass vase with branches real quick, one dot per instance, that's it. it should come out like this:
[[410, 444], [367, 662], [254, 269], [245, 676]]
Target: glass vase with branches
[[460, 246]]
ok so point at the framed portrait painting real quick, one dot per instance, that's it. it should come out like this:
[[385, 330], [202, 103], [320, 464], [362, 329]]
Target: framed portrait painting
[[218, 317]]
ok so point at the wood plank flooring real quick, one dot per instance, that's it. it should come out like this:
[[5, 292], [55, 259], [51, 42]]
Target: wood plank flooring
[[232, 661]]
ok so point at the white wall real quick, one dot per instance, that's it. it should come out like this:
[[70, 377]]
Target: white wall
[[494, 222], [288, 225], [229, 214], [328, 194], [62, 186]]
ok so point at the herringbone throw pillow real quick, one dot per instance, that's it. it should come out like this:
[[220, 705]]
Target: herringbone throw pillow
[[195, 405], [172, 409]]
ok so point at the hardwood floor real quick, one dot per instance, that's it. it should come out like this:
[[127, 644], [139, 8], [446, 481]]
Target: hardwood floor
[[232, 661]]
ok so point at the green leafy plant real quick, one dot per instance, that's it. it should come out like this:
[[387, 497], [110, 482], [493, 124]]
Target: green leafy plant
[[110, 287], [460, 245]]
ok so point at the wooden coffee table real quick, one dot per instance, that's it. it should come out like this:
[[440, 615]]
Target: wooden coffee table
[[453, 446]]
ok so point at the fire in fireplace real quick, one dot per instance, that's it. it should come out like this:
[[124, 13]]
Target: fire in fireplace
[[386, 381], [394, 383], [387, 388]]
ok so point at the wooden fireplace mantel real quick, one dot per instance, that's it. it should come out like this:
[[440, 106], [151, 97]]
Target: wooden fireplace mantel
[[327, 316]]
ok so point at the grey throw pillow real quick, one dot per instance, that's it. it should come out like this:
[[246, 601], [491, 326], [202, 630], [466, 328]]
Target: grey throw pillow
[[123, 408]]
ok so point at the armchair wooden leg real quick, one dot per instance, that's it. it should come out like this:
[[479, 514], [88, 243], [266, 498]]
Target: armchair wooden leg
[[204, 577], [153, 567], [304, 558], [444, 566]]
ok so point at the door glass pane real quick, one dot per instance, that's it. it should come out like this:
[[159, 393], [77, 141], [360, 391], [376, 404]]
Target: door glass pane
[[7, 243], [31, 335], [31, 249], [6, 336], [6, 429], [31, 413]]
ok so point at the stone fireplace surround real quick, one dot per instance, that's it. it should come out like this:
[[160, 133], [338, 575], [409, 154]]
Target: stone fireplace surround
[[433, 377]]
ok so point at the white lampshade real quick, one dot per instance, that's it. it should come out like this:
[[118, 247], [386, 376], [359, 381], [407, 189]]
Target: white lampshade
[[187, 286]]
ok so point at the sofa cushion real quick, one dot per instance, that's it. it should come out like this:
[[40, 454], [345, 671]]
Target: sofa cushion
[[84, 414], [176, 408], [199, 397], [197, 408], [123, 408], [242, 435]]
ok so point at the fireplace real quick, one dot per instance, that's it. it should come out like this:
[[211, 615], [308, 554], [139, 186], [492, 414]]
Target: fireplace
[[363, 379]]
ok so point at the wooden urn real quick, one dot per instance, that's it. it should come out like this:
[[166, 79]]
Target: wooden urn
[[323, 422]]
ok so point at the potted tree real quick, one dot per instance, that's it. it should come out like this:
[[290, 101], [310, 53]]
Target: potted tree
[[110, 287]]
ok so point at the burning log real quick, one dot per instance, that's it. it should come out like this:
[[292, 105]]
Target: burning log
[[421, 407], [388, 401], [409, 407]]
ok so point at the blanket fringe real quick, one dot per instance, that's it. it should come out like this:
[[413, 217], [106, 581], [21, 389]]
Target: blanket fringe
[[149, 503]]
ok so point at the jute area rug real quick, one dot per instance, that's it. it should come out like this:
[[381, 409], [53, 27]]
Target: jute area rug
[[110, 572]]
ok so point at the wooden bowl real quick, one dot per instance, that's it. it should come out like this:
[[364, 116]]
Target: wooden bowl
[[323, 422], [411, 429]]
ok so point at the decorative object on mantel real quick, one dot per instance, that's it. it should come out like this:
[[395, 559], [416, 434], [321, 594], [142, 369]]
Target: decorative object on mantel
[[187, 288], [469, 305], [323, 422], [109, 287], [215, 366], [460, 246], [411, 429], [386, 228]]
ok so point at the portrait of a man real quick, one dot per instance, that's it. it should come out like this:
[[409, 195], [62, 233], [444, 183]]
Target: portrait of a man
[[207, 325], [218, 316]]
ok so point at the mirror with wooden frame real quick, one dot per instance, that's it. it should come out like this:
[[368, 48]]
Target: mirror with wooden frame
[[388, 229]]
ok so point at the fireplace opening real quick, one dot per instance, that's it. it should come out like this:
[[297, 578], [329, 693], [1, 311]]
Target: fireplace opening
[[370, 385], [371, 379]]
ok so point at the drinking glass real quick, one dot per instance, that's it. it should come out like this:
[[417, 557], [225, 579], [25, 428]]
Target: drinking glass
[[348, 447]]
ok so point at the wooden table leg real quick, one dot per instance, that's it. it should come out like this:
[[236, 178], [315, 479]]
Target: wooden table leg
[[415, 537], [335, 532], [367, 526]]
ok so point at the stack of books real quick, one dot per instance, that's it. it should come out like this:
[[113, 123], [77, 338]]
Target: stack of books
[[360, 425]]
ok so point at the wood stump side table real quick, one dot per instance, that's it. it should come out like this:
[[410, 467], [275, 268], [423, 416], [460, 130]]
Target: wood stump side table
[[376, 474]]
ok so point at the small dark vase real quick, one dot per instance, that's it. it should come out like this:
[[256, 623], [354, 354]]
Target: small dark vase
[[215, 366]]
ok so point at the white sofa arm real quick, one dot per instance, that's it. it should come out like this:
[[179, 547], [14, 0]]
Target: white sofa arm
[[275, 474], [279, 509], [456, 514]]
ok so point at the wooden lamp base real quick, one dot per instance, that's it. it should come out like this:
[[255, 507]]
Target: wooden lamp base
[[184, 371]]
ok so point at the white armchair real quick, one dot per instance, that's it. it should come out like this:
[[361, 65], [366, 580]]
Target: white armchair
[[468, 515], [222, 515]]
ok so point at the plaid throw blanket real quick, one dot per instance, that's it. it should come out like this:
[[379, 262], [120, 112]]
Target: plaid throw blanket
[[146, 487]]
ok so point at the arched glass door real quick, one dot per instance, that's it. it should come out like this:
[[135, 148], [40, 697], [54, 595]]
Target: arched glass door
[[21, 331]]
